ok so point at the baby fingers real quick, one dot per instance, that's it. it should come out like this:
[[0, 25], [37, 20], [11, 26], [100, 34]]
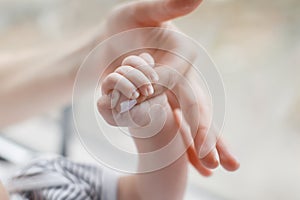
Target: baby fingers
[[116, 81], [137, 78], [143, 63]]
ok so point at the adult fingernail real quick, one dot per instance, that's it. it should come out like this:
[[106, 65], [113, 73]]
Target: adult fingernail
[[150, 90], [115, 95], [216, 155], [135, 94], [216, 158]]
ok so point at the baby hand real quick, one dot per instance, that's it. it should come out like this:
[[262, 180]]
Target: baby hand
[[128, 85]]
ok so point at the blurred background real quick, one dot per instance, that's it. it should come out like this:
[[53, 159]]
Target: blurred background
[[256, 46]]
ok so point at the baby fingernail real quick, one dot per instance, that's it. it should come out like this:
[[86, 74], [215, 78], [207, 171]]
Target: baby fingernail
[[127, 105], [114, 98], [150, 90], [135, 94]]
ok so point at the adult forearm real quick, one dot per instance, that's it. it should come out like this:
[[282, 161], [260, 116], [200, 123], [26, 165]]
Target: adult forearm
[[35, 83]]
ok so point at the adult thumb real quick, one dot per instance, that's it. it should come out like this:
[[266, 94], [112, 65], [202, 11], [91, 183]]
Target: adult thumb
[[157, 11]]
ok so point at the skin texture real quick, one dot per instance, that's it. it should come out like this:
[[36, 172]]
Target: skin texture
[[126, 80], [170, 182]]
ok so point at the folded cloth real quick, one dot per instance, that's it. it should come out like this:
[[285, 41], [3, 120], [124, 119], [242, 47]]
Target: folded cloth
[[59, 178]]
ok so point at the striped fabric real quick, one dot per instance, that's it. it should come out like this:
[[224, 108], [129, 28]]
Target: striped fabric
[[61, 179]]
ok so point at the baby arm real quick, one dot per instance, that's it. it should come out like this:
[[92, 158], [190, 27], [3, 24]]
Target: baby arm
[[166, 183], [143, 119]]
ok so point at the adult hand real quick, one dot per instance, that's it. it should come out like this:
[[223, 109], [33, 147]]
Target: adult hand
[[157, 13], [196, 111]]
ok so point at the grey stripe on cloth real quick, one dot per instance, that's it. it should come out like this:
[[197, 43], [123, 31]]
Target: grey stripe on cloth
[[61, 179]]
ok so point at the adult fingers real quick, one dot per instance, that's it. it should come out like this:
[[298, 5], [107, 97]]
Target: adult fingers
[[205, 143], [193, 104], [195, 118], [188, 141], [172, 70], [211, 160], [228, 161]]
